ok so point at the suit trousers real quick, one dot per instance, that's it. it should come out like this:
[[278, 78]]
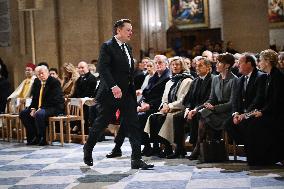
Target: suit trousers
[[122, 132], [129, 119], [36, 125]]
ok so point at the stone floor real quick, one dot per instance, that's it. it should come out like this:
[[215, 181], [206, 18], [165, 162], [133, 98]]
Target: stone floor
[[54, 166]]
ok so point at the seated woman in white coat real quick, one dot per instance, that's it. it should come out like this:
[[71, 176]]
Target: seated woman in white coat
[[160, 125]]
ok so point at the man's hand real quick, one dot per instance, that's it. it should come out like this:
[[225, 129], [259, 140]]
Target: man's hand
[[209, 106], [33, 111], [190, 114], [238, 118], [144, 107], [116, 91], [257, 114]]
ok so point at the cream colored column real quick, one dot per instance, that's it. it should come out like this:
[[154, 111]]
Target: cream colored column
[[245, 23]]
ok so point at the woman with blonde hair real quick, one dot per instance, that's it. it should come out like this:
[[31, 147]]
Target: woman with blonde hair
[[265, 133], [70, 75]]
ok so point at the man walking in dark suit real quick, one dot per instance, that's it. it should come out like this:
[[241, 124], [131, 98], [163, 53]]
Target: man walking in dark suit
[[47, 101], [117, 91]]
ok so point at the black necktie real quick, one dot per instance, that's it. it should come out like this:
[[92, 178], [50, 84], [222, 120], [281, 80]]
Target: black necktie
[[123, 49], [245, 83], [124, 53]]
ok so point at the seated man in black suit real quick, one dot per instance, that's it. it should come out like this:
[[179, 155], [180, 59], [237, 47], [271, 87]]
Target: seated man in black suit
[[47, 101], [248, 96], [85, 86], [150, 102], [197, 94]]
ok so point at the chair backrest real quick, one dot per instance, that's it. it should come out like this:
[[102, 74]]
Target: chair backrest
[[15, 105], [75, 107]]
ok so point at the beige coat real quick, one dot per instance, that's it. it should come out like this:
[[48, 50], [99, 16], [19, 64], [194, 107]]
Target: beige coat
[[167, 130]]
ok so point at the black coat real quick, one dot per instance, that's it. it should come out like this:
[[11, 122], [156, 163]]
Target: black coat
[[253, 97], [5, 91], [52, 98], [114, 69], [85, 86], [139, 77], [194, 98], [153, 93]]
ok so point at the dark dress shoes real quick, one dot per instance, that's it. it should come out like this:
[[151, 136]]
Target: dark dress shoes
[[114, 153], [195, 153], [42, 142], [147, 151], [88, 159], [34, 141], [140, 164], [176, 156]]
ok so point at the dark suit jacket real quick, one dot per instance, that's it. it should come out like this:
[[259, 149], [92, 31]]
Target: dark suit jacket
[[253, 98], [52, 99], [193, 99], [153, 93], [114, 69], [4, 93], [85, 86], [139, 77]]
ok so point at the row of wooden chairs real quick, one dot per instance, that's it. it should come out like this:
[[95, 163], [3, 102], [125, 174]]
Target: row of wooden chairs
[[11, 121]]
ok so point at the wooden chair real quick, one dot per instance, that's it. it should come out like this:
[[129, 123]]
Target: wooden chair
[[12, 120], [74, 112]]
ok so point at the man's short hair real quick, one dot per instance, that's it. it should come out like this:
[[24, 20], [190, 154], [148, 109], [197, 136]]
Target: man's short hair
[[43, 64], [250, 58], [53, 69], [120, 24]]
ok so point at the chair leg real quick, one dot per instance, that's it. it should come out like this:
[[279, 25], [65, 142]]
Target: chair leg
[[83, 132], [50, 133], [3, 124], [61, 133], [68, 127], [235, 150], [10, 130], [17, 129]]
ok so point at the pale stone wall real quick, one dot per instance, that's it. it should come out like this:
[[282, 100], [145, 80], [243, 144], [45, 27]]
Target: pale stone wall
[[245, 23], [66, 31]]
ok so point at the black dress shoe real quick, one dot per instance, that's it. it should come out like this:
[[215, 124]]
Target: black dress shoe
[[42, 142], [34, 141], [88, 159], [147, 151], [114, 153], [139, 163]]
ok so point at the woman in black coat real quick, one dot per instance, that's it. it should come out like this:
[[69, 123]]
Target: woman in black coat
[[266, 131]]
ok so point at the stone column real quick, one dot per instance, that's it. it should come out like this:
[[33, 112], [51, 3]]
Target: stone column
[[245, 23]]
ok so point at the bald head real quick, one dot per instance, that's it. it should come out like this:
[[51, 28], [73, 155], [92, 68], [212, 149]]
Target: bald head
[[83, 67]]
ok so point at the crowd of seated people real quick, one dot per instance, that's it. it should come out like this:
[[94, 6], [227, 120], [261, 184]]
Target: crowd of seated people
[[238, 93], [48, 94]]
